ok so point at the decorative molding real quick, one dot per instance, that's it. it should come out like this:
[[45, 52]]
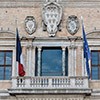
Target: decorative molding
[[52, 14], [39, 3], [2, 30], [73, 38], [63, 48], [47, 0], [73, 46]]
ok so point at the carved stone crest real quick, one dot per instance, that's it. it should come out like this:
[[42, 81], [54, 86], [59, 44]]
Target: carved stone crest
[[52, 14], [72, 24], [30, 24]]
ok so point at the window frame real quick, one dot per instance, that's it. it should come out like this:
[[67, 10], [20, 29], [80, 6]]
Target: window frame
[[93, 65], [6, 65], [66, 58]]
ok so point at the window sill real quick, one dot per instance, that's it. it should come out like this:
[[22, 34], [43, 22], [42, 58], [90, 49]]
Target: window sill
[[5, 81], [94, 80]]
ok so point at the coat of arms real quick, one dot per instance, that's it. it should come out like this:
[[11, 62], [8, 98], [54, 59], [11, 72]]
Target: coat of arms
[[30, 24], [52, 14], [72, 24]]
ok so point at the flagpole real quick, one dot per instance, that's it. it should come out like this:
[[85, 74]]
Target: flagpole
[[86, 51], [16, 70], [19, 56], [84, 69]]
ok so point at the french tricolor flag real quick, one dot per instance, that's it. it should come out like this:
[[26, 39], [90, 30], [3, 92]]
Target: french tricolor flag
[[19, 57]]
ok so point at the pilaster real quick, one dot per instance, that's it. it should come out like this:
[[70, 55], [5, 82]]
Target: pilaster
[[29, 57], [72, 56]]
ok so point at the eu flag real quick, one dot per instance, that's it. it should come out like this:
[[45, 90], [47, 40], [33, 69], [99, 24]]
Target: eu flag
[[86, 51]]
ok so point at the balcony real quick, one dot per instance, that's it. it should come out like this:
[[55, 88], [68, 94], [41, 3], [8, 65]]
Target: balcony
[[59, 84]]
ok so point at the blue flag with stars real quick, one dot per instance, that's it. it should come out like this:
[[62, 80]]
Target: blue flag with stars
[[86, 51]]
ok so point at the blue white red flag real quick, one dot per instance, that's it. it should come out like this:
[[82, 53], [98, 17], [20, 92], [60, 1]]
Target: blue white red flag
[[19, 57]]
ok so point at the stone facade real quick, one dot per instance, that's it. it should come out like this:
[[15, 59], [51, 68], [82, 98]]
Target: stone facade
[[79, 87]]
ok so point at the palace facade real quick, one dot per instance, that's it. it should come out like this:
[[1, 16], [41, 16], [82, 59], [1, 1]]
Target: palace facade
[[50, 33]]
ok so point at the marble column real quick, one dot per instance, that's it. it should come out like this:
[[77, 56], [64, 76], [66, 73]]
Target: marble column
[[33, 60], [39, 61], [63, 60]]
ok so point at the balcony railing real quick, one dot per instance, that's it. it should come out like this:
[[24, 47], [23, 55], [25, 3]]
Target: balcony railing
[[50, 83]]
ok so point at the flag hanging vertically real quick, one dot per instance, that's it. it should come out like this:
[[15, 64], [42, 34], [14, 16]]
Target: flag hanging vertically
[[19, 57], [86, 51]]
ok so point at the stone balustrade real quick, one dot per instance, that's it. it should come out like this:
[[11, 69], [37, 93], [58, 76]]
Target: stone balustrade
[[50, 82], [61, 84]]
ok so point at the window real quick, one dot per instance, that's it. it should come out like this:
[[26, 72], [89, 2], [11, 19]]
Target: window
[[95, 63], [51, 62], [5, 65]]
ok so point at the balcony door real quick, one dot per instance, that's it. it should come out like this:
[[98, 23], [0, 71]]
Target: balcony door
[[51, 63]]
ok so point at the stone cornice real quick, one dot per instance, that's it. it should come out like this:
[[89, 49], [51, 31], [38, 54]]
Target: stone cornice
[[39, 3], [49, 0], [57, 38]]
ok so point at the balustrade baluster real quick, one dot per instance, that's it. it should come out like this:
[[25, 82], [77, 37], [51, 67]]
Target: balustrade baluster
[[50, 82]]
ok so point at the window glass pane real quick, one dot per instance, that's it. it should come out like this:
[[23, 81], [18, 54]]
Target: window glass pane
[[95, 58], [95, 72], [8, 73], [8, 58], [1, 58], [1, 73], [51, 62]]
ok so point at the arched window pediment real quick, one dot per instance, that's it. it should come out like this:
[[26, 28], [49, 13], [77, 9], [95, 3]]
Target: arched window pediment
[[7, 34], [93, 34]]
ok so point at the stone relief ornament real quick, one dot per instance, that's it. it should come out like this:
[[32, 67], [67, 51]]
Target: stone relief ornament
[[72, 24], [30, 24], [52, 14]]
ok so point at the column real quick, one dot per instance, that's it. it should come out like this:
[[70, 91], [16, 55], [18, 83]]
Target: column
[[29, 58], [69, 61], [84, 73], [72, 60], [14, 65], [63, 60], [80, 62], [33, 60], [27, 62], [39, 61], [24, 51]]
